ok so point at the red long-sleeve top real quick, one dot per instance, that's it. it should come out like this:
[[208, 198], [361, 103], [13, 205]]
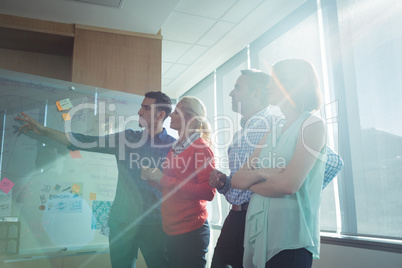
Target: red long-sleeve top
[[185, 188]]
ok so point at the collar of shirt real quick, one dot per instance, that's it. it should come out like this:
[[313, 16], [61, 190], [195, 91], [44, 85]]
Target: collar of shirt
[[161, 136], [179, 147], [260, 117]]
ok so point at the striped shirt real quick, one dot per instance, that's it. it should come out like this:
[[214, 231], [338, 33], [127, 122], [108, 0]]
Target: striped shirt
[[178, 147]]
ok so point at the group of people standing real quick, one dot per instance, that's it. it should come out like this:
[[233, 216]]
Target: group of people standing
[[161, 208]]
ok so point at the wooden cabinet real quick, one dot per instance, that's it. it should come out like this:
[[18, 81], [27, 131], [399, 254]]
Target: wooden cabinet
[[107, 58], [36, 47], [117, 60]]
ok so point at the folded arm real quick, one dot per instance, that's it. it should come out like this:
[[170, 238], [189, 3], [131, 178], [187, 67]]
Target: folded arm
[[249, 174], [310, 142], [277, 182]]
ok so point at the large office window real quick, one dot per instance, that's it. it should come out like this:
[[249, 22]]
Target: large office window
[[227, 120], [371, 44], [355, 47]]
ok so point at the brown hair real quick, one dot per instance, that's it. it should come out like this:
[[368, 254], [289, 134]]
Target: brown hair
[[299, 78]]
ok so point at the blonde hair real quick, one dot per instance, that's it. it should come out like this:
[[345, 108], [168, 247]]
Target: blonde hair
[[194, 108], [300, 80]]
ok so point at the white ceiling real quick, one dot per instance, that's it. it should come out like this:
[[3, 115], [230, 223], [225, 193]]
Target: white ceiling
[[198, 36]]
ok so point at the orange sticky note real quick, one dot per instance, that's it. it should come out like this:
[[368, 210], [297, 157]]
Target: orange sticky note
[[75, 154], [66, 116], [76, 189], [59, 106], [92, 196]]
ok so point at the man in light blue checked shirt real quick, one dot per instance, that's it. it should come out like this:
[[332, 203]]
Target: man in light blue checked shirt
[[250, 95]]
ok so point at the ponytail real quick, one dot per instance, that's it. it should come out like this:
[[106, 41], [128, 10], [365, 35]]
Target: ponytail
[[195, 109]]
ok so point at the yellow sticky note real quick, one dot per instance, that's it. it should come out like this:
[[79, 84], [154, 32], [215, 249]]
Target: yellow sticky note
[[92, 196], [76, 189]]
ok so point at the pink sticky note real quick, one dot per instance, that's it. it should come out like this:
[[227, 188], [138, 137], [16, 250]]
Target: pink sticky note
[[6, 185], [75, 154]]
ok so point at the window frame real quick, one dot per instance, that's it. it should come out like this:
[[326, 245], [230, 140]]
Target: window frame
[[348, 115]]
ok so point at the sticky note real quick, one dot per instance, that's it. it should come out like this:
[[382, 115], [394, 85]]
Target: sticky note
[[75, 154], [6, 185], [64, 105], [92, 196], [66, 116], [76, 189]]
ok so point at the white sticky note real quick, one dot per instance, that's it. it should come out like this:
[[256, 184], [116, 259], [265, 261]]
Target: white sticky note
[[64, 105]]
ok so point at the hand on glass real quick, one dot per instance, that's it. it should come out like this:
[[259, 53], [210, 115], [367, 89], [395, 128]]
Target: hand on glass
[[30, 124]]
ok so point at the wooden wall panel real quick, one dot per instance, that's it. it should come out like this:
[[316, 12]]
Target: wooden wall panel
[[35, 25], [36, 42], [117, 61], [52, 66]]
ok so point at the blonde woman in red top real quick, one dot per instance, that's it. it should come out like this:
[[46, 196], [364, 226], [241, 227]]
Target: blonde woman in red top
[[184, 185]]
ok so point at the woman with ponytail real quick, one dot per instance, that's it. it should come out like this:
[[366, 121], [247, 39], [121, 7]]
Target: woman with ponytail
[[184, 185]]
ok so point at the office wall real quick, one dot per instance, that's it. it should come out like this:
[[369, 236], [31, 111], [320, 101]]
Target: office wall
[[107, 58], [117, 60], [340, 256]]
